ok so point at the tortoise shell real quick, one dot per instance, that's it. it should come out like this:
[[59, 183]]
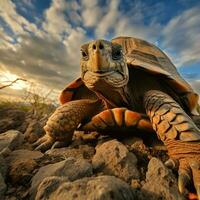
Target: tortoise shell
[[141, 54]]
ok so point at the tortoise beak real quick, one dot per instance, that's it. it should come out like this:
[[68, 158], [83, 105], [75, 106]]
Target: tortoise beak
[[98, 60]]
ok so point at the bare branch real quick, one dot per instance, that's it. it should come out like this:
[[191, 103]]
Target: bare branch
[[12, 82]]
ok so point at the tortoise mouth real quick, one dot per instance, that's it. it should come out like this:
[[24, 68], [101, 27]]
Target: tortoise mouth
[[114, 78], [100, 73]]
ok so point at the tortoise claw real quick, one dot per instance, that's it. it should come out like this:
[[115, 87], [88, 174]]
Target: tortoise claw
[[195, 166], [60, 144], [189, 170], [47, 142], [39, 142], [183, 181], [44, 144], [171, 163]]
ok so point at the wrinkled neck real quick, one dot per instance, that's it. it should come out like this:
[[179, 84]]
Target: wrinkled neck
[[114, 97]]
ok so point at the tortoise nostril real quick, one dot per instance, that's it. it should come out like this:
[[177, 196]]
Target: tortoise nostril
[[101, 46], [94, 46], [97, 46]]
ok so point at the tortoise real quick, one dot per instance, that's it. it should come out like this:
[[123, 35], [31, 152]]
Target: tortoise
[[129, 83]]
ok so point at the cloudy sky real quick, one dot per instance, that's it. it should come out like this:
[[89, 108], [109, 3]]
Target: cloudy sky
[[40, 39]]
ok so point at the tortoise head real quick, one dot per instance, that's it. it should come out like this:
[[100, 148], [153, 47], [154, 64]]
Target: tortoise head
[[103, 64]]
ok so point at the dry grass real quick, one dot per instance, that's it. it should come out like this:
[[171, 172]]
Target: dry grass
[[38, 106]]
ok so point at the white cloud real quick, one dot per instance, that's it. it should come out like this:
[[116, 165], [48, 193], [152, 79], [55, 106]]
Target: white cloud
[[109, 19], [91, 13], [6, 40], [59, 17], [16, 22], [28, 3], [182, 35], [51, 58], [150, 33], [55, 23], [117, 22], [131, 22], [72, 43]]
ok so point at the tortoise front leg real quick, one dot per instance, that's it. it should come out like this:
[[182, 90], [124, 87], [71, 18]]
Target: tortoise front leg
[[64, 121], [180, 135], [118, 118]]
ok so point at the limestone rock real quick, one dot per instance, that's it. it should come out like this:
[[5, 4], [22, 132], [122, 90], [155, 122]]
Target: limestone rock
[[87, 137], [3, 167], [23, 161], [11, 139], [11, 118], [5, 152], [113, 158], [94, 188], [34, 131], [70, 168], [83, 151], [131, 140], [2, 186], [160, 182], [49, 185]]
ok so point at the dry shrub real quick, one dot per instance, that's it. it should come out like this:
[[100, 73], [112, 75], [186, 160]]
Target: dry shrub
[[41, 105]]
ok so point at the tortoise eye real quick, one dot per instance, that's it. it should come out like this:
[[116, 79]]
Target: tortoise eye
[[84, 55], [116, 53]]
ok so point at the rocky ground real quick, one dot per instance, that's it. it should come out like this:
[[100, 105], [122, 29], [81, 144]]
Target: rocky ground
[[93, 167]]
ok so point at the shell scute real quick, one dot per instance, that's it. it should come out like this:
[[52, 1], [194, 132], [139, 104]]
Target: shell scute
[[142, 54]]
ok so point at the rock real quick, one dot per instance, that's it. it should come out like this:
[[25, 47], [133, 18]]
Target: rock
[[131, 140], [11, 119], [11, 139], [135, 183], [23, 161], [70, 168], [3, 167], [49, 185], [139, 146], [87, 137], [34, 131], [113, 158], [136, 145], [160, 182], [93, 188], [3, 187], [83, 151], [5, 152]]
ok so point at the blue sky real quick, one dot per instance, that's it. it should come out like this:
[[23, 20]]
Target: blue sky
[[40, 39]]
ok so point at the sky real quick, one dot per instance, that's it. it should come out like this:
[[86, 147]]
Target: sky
[[40, 39]]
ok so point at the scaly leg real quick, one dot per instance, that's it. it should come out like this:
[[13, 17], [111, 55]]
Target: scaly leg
[[180, 135], [118, 118], [62, 123]]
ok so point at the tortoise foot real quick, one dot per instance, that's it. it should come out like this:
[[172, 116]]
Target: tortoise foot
[[47, 142], [62, 124], [189, 172], [186, 157], [55, 137], [44, 143]]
